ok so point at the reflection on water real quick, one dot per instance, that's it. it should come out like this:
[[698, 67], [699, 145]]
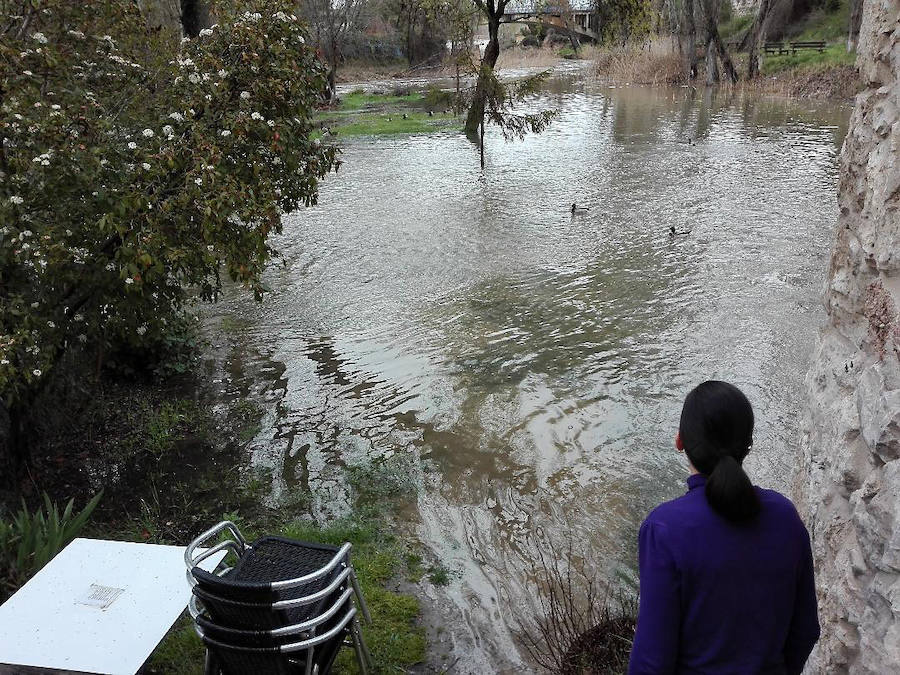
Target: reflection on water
[[530, 364]]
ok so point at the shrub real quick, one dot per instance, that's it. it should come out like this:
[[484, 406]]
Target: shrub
[[30, 540], [131, 174]]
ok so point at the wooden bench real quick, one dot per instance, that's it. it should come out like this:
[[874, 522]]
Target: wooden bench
[[814, 44], [776, 48]]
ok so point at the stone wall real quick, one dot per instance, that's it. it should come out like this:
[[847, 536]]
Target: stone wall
[[848, 486]]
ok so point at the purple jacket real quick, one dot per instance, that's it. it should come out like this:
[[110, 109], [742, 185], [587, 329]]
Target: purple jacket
[[720, 598]]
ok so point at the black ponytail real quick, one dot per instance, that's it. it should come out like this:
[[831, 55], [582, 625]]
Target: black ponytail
[[717, 432]]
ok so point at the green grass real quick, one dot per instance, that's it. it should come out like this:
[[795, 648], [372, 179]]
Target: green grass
[[164, 426], [363, 114], [359, 100], [834, 55], [385, 124], [823, 25], [819, 24], [735, 26], [394, 638]]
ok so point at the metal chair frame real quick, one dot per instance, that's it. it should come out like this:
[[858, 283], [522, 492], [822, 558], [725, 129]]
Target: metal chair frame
[[362, 653], [240, 547], [237, 545]]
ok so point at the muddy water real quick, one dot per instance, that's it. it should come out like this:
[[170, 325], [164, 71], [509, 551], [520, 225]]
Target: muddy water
[[522, 367]]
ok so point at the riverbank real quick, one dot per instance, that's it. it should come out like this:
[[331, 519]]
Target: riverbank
[[171, 458], [829, 75]]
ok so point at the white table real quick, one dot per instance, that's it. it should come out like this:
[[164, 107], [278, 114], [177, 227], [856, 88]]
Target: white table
[[97, 607]]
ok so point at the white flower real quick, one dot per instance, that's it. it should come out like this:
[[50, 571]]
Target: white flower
[[178, 117], [194, 78], [15, 199], [145, 166], [245, 95], [276, 161], [76, 33], [104, 162], [29, 74], [4, 362], [256, 116], [55, 106], [129, 281], [36, 372], [110, 267], [40, 38], [206, 32], [141, 329], [51, 324], [34, 305], [271, 123], [78, 317], [226, 133], [223, 74], [132, 145], [148, 133], [168, 131], [198, 181], [82, 338]]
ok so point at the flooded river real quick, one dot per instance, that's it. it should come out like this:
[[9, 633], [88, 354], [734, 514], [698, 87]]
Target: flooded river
[[524, 368]]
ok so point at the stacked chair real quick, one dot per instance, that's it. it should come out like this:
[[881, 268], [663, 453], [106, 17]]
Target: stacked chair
[[275, 605]]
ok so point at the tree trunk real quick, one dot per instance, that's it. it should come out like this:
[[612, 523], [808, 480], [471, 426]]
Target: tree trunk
[[715, 47], [712, 65], [757, 36], [725, 57], [690, 29], [481, 142], [856, 12], [194, 17], [332, 70], [489, 60]]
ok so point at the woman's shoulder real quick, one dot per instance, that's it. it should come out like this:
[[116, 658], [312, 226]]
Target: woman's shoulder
[[775, 500]]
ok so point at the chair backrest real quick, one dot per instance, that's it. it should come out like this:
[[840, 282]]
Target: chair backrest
[[267, 610], [274, 636]]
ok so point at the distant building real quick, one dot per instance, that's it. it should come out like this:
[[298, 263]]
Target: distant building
[[576, 15]]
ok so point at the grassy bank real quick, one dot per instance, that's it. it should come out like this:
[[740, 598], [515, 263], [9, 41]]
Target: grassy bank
[[172, 460], [806, 74], [362, 113]]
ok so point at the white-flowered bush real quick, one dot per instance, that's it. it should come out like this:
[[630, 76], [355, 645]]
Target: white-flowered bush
[[132, 171]]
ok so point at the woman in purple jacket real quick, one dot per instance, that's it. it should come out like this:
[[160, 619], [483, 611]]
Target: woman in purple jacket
[[726, 570]]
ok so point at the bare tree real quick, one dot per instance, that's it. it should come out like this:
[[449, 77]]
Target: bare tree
[[756, 37], [331, 22], [690, 30], [714, 45]]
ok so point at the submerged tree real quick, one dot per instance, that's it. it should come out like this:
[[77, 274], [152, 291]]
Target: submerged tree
[[493, 11], [134, 176], [757, 37], [500, 100], [714, 45]]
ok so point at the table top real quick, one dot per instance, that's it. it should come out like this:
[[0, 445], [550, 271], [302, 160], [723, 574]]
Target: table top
[[97, 607]]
